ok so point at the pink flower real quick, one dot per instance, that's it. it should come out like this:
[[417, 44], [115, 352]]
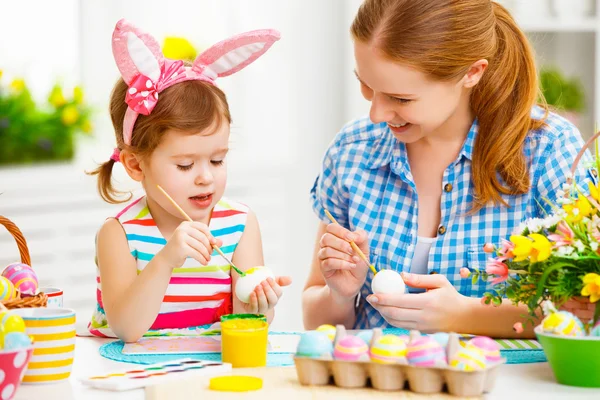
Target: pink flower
[[488, 248], [506, 249], [518, 327], [465, 273], [564, 237], [497, 267]]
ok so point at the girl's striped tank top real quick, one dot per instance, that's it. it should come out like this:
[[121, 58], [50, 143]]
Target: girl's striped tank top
[[196, 294]]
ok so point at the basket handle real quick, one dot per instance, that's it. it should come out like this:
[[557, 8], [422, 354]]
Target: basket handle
[[576, 162], [19, 238]]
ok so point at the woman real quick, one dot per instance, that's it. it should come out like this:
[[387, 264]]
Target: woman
[[454, 154]]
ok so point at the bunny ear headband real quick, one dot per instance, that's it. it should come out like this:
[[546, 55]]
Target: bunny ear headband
[[147, 72]]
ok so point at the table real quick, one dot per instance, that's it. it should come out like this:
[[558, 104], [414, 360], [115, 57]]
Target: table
[[514, 382]]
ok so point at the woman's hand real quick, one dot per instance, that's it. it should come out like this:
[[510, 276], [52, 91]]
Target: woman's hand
[[440, 308], [344, 272]]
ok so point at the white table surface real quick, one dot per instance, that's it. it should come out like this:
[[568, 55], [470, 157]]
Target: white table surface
[[522, 381]]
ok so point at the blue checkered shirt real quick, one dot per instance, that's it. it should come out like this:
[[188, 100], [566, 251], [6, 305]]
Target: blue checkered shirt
[[366, 183]]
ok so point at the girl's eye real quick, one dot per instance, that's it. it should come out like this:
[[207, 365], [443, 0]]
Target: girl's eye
[[399, 100], [219, 162], [185, 167]]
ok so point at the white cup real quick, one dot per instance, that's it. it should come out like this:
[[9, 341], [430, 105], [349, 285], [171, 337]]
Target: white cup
[[55, 296]]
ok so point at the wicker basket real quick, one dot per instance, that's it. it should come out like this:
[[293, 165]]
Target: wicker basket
[[581, 307], [40, 299]]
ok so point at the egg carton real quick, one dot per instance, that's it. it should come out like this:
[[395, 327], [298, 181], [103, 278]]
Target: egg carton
[[396, 377]]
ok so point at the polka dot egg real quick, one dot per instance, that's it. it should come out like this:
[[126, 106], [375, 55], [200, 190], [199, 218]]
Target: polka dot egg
[[490, 348], [23, 278], [562, 323], [425, 351], [314, 344], [468, 358], [7, 289], [388, 349], [329, 330], [351, 348]]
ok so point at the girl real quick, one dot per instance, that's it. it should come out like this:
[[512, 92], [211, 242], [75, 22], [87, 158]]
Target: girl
[[454, 154], [155, 270]]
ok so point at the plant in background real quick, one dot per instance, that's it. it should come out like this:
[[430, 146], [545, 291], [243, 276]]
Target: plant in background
[[561, 93], [32, 133]]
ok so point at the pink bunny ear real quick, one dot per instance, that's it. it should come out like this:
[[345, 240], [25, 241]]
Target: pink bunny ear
[[233, 54], [136, 52]]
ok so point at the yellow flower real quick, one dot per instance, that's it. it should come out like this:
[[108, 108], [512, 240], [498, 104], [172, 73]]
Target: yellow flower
[[56, 97], [591, 287], [78, 95], [17, 85], [541, 248], [70, 115], [87, 126], [594, 192], [576, 212], [177, 48], [523, 247], [0, 74]]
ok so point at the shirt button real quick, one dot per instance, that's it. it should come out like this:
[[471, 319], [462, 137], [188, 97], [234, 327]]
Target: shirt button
[[441, 230], [448, 187]]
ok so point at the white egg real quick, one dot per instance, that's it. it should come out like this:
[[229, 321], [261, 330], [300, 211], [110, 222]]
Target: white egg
[[245, 284], [388, 281]]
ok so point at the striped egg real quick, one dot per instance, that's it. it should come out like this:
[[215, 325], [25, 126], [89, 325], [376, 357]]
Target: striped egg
[[563, 323], [388, 349], [314, 344], [425, 351], [329, 330], [23, 278], [489, 346], [468, 358], [351, 348], [7, 289]]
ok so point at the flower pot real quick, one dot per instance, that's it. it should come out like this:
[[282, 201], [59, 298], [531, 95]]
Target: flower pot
[[574, 360], [572, 9], [581, 308]]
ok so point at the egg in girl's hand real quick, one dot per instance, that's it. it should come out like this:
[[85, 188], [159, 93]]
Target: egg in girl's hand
[[387, 281], [246, 284]]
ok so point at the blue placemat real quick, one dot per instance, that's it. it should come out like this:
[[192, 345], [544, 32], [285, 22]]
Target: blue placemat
[[113, 351]]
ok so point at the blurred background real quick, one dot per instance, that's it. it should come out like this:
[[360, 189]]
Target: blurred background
[[57, 71]]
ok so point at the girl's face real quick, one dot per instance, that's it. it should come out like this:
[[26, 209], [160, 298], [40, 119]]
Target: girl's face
[[412, 104], [191, 169]]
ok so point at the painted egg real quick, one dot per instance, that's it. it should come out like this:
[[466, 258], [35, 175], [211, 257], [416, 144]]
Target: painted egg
[[351, 348], [329, 330], [469, 358], [16, 340], [314, 344], [366, 336], [11, 322], [388, 281], [388, 349], [246, 284], [425, 351], [7, 289], [563, 323], [23, 278], [595, 330], [490, 348]]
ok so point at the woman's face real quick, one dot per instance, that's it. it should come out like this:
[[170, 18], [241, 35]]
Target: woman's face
[[412, 104]]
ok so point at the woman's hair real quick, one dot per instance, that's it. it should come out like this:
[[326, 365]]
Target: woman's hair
[[443, 38], [190, 106]]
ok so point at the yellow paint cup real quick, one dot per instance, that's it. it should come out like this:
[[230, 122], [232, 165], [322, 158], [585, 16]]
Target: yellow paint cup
[[244, 341]]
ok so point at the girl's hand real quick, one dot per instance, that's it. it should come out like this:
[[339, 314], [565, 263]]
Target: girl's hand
[[441, 308], [343, 270], [190, 239], [266, 295]]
